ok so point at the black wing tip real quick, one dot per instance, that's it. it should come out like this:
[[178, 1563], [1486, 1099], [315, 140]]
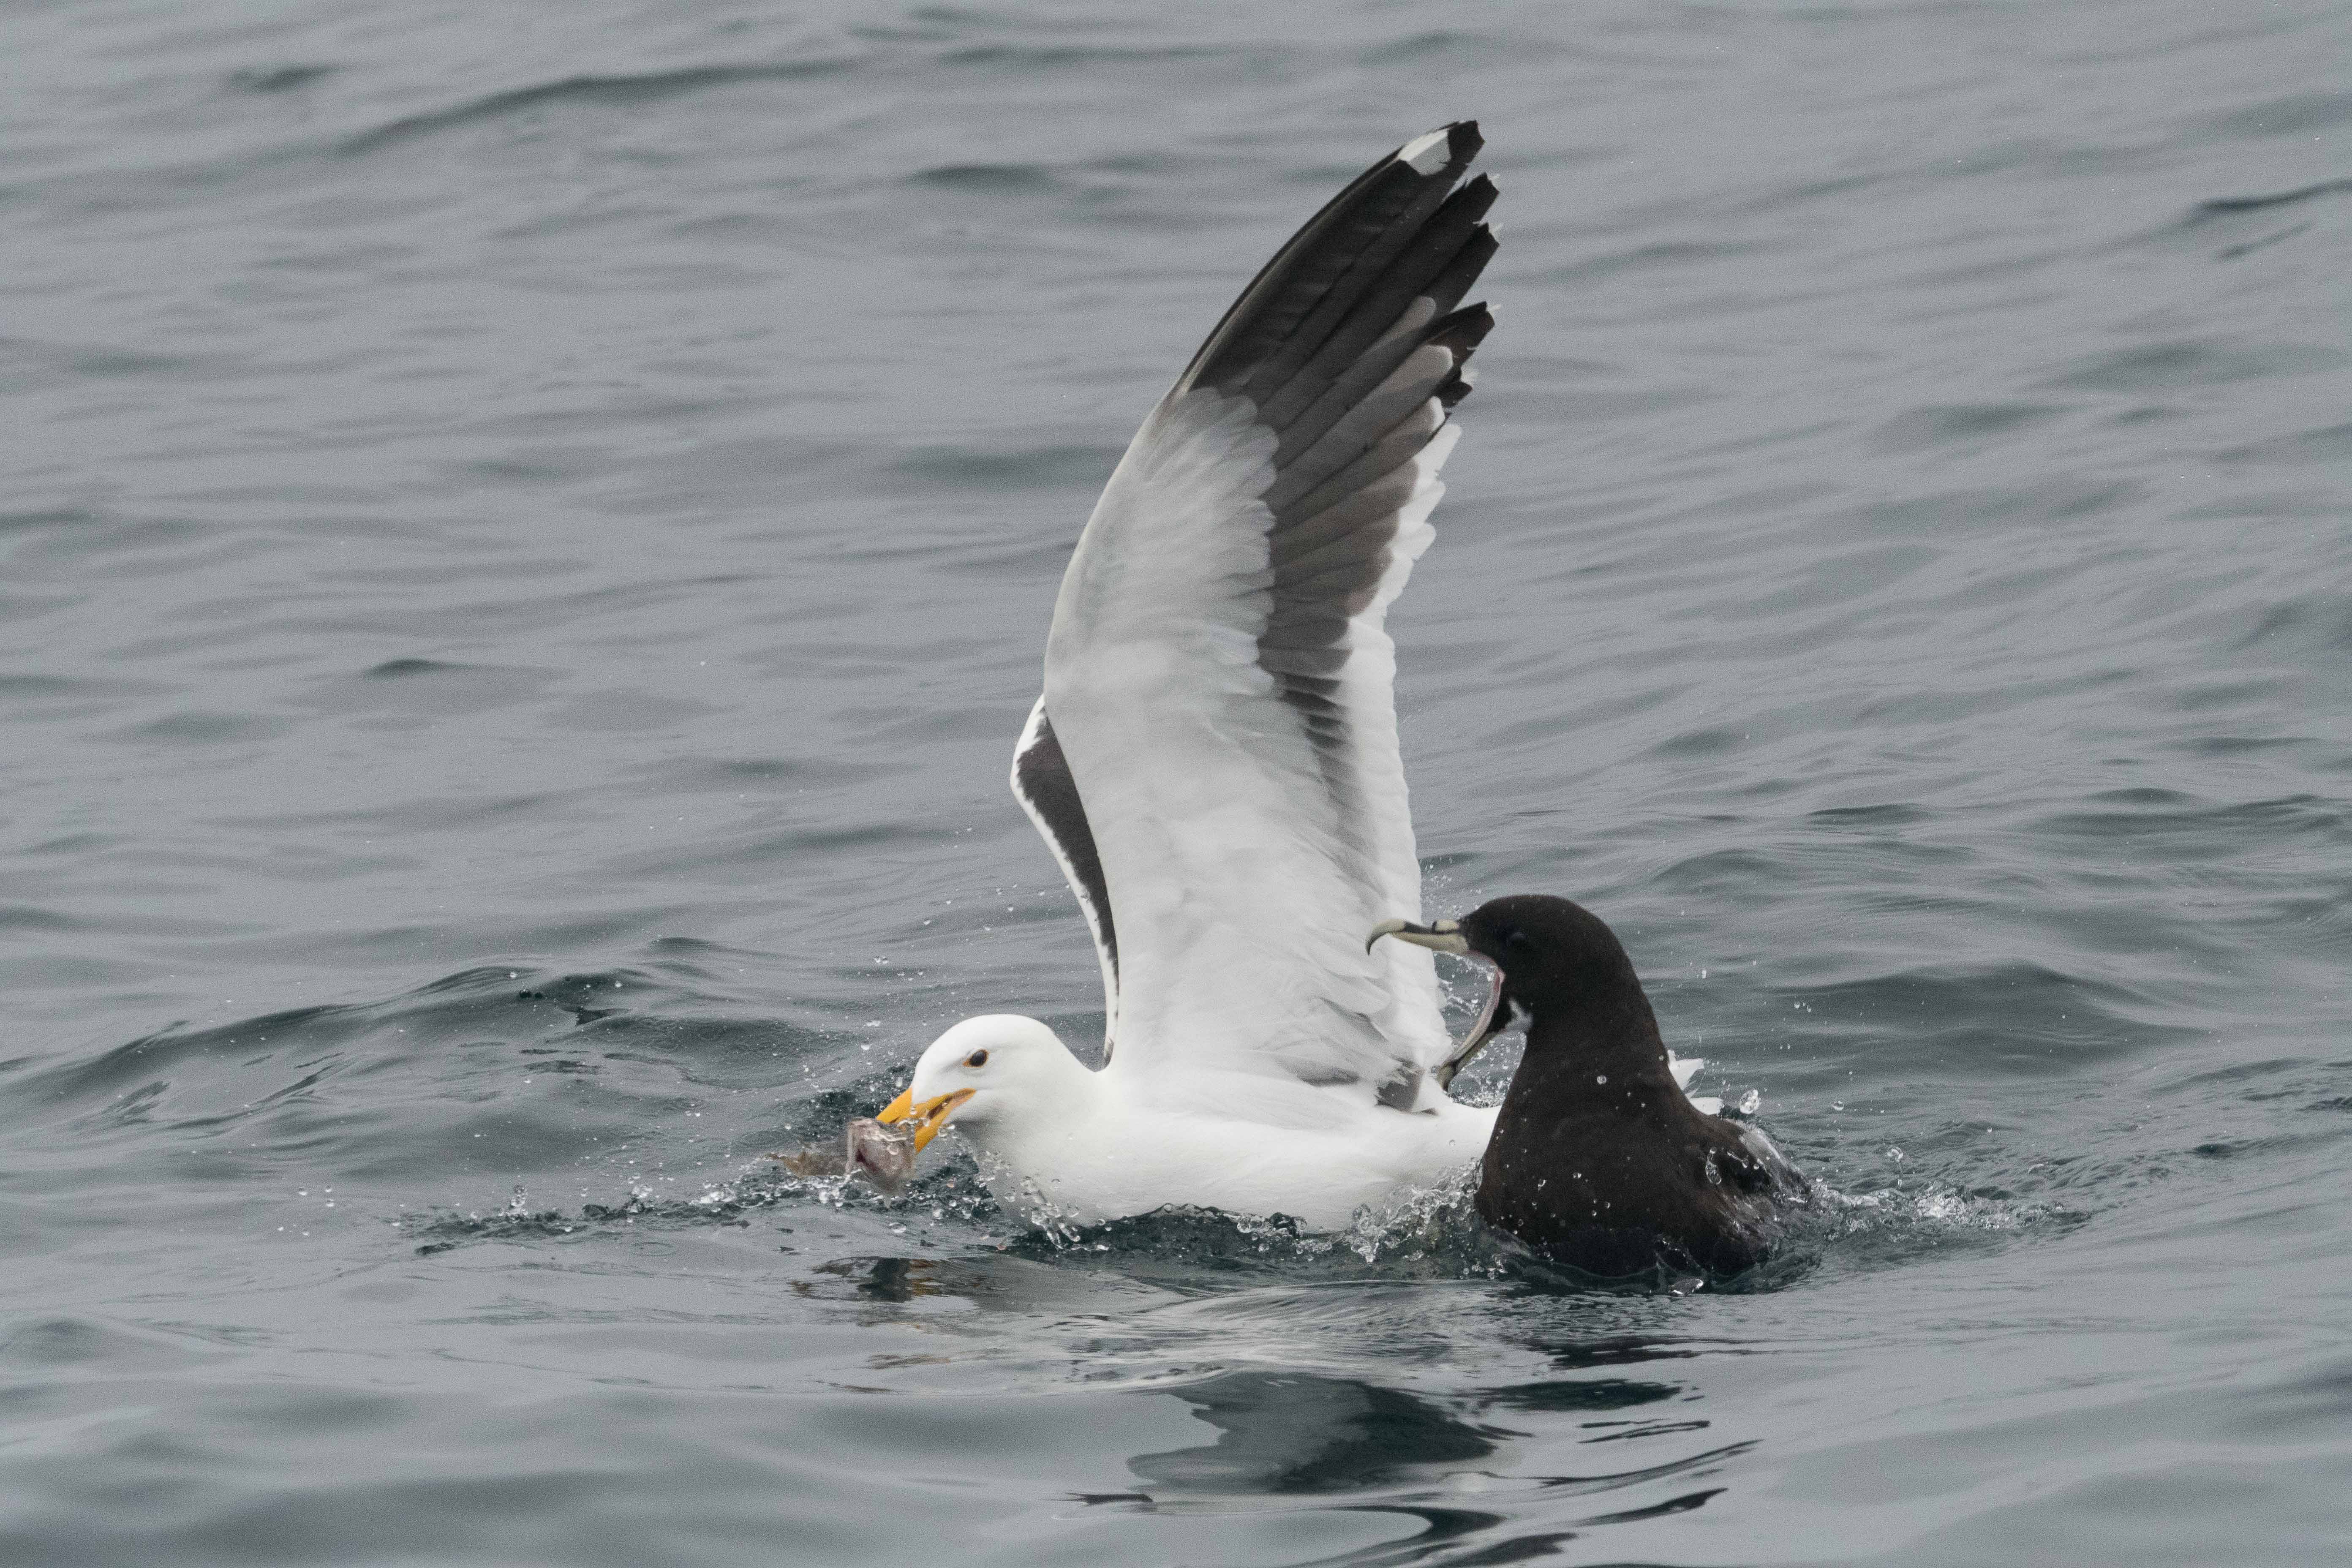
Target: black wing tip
[[1303, 293], [1463, 331], [1459, 140]]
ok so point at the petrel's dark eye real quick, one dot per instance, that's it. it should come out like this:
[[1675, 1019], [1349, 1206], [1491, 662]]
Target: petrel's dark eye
[[977, 1059], [1516, 939]]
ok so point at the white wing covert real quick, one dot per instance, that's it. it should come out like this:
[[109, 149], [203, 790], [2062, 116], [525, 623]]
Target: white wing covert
[[1218, 679]]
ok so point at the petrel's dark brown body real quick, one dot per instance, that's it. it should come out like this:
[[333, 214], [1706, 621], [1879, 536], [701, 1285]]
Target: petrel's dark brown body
[[1597, 1158]]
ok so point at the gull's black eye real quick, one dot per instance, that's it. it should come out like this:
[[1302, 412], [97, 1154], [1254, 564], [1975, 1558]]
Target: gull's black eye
[[977, 1059]]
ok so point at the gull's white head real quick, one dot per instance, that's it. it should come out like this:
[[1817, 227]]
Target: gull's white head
[[992, 1074]]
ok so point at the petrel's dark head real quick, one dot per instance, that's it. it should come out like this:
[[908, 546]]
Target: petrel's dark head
[[1551, 952], [1550, 957]]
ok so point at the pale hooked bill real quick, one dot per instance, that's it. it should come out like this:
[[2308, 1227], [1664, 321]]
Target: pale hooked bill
[[1214, 759]]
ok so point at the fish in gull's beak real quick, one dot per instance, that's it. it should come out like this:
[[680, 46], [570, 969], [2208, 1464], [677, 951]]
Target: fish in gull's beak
[[1446, 936], [883, 1157], [927, 1118]]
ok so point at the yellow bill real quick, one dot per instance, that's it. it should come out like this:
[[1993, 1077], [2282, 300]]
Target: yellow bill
[[926, 1118]]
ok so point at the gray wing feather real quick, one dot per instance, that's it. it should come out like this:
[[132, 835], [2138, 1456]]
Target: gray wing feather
[[1043, 784]]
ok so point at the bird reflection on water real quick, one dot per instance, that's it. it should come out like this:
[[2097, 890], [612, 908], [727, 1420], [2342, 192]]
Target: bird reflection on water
[[1357, 1445], [1294, 1439]]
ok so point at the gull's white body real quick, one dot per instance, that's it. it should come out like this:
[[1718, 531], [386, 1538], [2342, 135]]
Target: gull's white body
[[1060, 1141], [1214, 759]]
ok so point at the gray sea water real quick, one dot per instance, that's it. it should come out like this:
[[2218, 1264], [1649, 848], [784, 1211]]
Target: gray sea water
[[526, 538]]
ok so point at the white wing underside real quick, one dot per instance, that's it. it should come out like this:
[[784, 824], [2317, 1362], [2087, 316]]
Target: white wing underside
[[1241, 882], [1219, 686]]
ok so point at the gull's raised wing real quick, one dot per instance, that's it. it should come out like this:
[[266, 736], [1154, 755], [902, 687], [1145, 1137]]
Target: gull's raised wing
[[1218, 683]]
